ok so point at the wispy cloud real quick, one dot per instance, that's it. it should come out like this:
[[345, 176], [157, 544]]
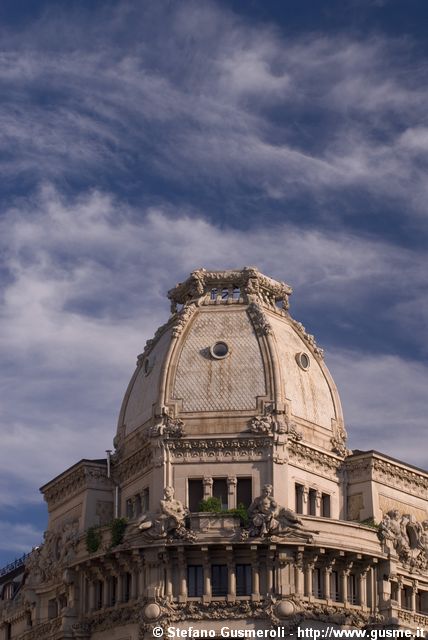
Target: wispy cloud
[[196, 93]]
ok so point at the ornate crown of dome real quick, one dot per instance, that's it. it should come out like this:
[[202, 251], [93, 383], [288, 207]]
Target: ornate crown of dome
[[231, 360]]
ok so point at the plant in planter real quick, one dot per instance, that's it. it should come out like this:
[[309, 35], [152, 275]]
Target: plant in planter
[[93, 539], [211, 505], [117, 527]]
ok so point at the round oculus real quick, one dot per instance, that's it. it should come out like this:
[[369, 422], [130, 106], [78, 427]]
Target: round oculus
[[219, 350], [303, 360]]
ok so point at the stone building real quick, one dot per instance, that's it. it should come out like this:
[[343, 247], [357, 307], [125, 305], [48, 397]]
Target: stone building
[[231, 408]]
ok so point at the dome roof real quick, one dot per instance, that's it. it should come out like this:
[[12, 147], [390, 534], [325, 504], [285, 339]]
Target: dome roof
[[232, 359]]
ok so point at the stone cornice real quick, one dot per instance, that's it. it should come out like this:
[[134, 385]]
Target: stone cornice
[[389, 473], [81, 476], [313, 459]]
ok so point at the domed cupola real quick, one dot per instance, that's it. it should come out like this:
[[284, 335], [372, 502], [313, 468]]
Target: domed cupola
[[231, 360]]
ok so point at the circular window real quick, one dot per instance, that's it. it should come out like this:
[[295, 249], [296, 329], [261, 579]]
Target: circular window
[[303, 361], [219, 350]]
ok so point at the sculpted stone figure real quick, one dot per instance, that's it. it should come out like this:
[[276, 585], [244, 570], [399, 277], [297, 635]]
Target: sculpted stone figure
[[408, 537], [170, 522], [262, 512], [267, 519]]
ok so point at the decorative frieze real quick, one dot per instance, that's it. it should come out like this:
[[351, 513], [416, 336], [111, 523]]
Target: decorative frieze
[[85, 475], [132, 466], [313, 460], [225, 449]]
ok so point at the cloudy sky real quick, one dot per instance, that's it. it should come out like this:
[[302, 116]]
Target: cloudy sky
[[143, 139]]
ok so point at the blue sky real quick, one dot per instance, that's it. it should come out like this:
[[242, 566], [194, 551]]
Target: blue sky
[[141, 140]]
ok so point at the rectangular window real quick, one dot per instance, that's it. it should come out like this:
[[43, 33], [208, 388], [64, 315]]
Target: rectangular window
[[243, 580], [352, 589], [325, 505], [219, 576], [8, 631], [52, 609], [220, 491], [244, 492], [312, 499], [317, 583], [298, 498], [195, 581], [113, 591], [126, 587], [99, 594], [196, 494], [145, 500], [334, 586], [129, 509], [138, 505]]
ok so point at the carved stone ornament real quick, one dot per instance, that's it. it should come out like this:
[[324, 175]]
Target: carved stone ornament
[[263, 425], [308, 338], [170, 524], [269, 520], [253, 284], [260, 323], [338, 442], [169, 427], [46, 563], [408, 538]]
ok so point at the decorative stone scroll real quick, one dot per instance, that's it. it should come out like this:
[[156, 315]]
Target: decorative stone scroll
[[268, 520], [408, 538]]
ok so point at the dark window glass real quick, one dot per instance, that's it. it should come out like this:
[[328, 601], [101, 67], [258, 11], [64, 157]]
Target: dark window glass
[[312, 502], [244, 492], [126, 587], [195, 581], [99, 588], [317, 583], [145, 500], [219, 579], [243, 580], [220, 491], [325, 505], [299, 498], [334, 586], [196, 494], [113, 591]]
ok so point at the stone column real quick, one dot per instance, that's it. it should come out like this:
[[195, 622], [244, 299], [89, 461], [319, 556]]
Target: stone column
[[362, 587], [182, 577], [231, 485], [208, 487], [305, 499], [168, 582], [231, 590], [255, 596], [413, 596], [308, 579], [318, 504], [207, 582], [119, 591], [298, 574], [344, 585], [327, 577]]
